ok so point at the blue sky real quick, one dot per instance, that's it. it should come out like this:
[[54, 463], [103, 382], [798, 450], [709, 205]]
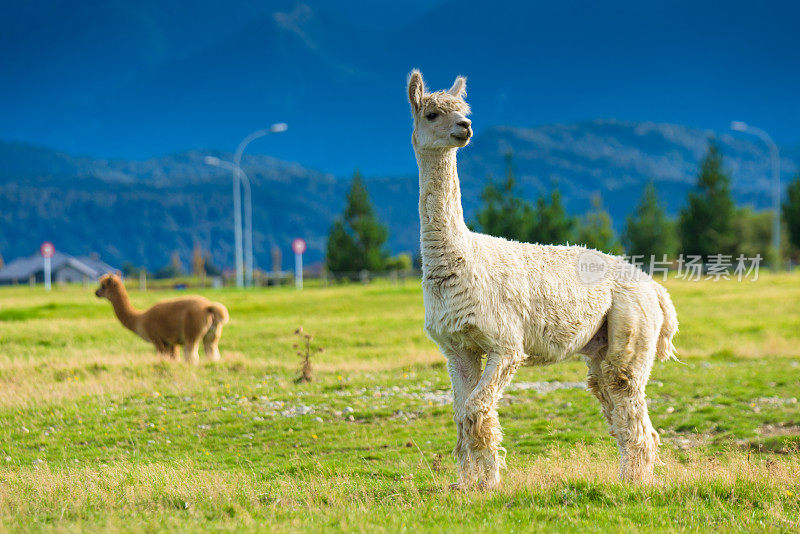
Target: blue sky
[[139, 80]]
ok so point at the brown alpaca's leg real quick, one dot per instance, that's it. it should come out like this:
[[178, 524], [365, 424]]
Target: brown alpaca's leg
[[193, 331], [191, 351], [211, 342], [465, 370], [162, 349], [174, 353]]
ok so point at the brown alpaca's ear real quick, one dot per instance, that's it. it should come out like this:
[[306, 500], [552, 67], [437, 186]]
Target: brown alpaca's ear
[[416, 90], [459, 89]]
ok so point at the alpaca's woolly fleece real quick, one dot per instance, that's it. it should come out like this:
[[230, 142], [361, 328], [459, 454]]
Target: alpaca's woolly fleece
[[520, 303]]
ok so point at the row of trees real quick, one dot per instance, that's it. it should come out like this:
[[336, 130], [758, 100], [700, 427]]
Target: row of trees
[[710, 223], [201, 267], [504, 214]]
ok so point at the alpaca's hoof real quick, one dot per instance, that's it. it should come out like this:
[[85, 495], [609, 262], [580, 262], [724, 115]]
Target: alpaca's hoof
[[492, 479]]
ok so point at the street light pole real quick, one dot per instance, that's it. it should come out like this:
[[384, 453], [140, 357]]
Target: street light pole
[[776, 179], [237, 212], [248, 198], [237, 227], [240, 180], [248, 229]]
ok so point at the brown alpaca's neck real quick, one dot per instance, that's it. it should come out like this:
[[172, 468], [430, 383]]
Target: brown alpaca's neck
[[124, 310], [444, 236]]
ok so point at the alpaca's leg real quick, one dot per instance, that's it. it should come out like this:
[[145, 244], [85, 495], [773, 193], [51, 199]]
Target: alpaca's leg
[[191, 351], [211, 342], [465, 370], [173, 352], [162, 349], [480, 422], [637, 439], [597, 385], [626, 370]]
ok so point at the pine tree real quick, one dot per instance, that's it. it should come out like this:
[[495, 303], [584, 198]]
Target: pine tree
[[553, 225], [342, 250], [648, 231], [504, 214], [791, 212], [356, 241], [706, 223], [595, 230]]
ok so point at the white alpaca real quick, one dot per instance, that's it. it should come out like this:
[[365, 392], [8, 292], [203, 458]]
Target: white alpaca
[[521, 303]]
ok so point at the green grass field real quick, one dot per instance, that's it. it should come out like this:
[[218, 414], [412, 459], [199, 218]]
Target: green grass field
[[97, 434]]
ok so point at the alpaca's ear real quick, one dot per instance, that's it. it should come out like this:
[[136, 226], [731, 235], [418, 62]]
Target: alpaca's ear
[[416, 89], [459, 88]]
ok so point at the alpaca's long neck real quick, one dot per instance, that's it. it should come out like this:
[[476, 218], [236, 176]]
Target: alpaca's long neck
[[124, 310], [444, 237]]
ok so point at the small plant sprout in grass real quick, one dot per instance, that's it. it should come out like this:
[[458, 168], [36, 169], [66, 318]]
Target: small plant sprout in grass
[[304, 350]]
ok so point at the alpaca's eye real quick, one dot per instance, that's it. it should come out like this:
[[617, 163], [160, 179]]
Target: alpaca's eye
[[431, 116]]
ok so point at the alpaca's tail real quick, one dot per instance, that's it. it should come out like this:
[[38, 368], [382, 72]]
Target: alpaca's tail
[[664, 347], [219, 313]]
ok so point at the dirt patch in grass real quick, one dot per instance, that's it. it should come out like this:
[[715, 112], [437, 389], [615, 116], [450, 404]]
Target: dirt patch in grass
[[686, 441], [779, 438], [780, 429]]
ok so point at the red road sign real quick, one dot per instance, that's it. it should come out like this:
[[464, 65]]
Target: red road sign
[[299, 245], [47, 249]]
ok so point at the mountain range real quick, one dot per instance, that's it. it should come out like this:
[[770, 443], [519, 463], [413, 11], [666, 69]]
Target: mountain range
[[129, 93], [143, 210], [116, 79]]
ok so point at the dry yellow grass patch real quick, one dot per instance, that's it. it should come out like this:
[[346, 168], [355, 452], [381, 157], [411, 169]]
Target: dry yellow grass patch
[[24, 383], [54, 380], [591, 464], [156, 486]]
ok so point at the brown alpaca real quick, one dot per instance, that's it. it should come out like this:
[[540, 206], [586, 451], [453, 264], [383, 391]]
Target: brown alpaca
[[169, 323]]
